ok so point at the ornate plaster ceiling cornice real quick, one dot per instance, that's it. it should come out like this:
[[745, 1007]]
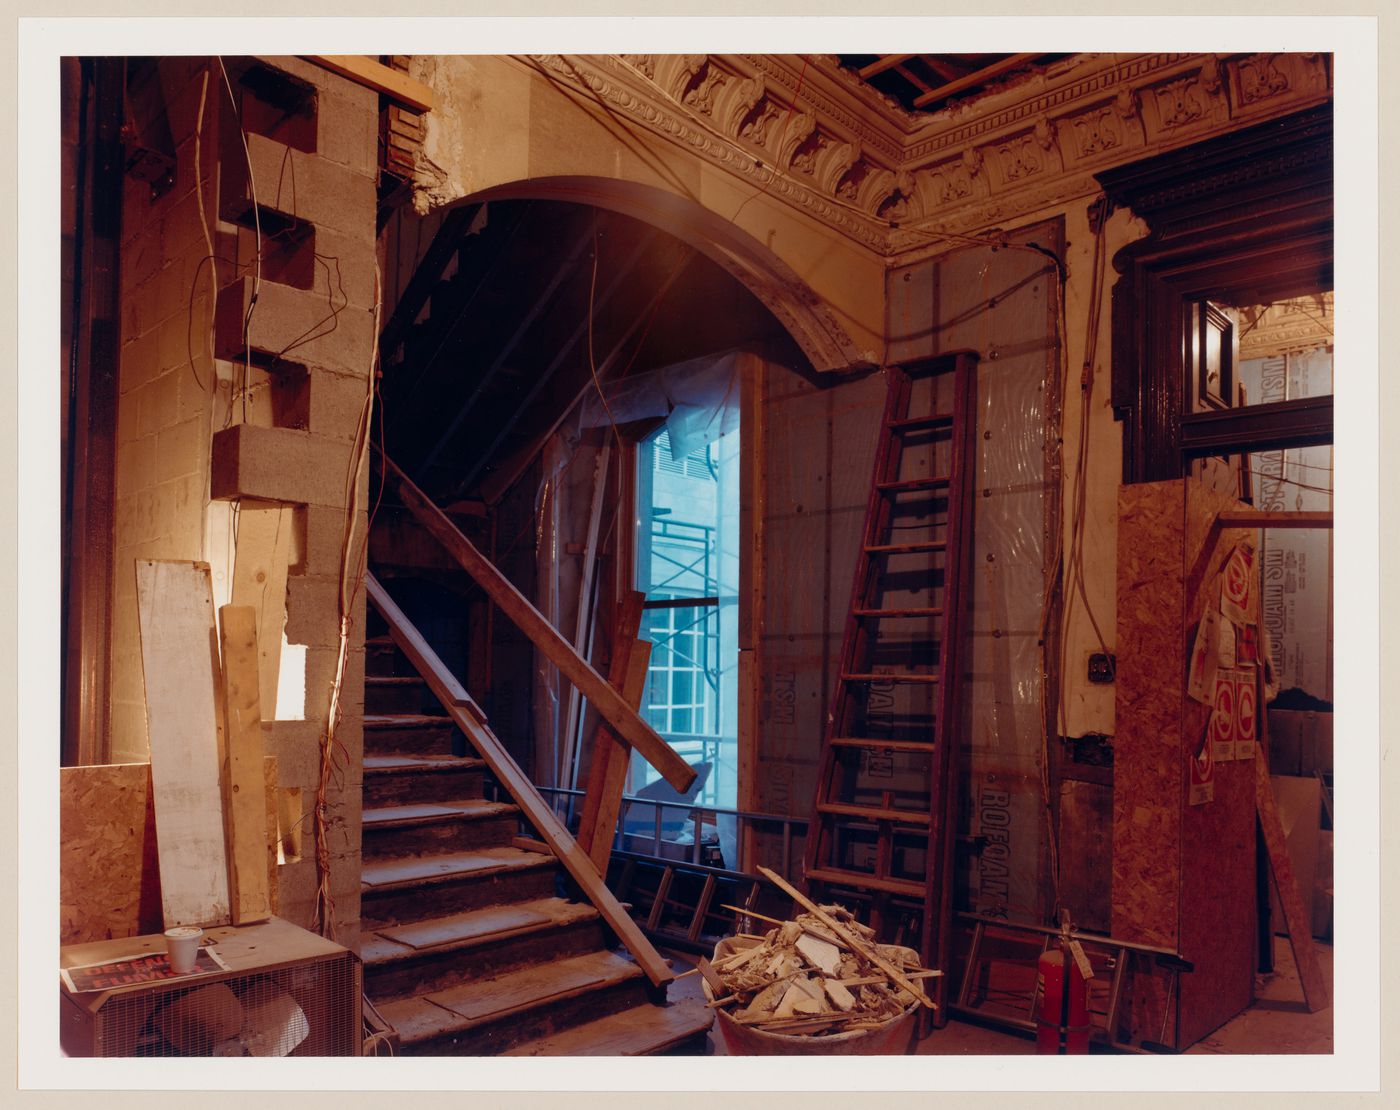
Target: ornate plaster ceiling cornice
[[827, 144]]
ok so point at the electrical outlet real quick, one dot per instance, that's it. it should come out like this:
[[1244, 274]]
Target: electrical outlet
[[1102, 667]]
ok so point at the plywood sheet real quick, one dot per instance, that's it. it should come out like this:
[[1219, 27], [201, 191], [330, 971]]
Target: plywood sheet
[[179, 656], [260, 580], [467, 926], [109, 876]]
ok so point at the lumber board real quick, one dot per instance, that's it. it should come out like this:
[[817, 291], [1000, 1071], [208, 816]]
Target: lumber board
[[536, 810], [608, 701], [180, 658], [402, 89], [1299, 921], [496, 921], [246, 808], [533, 986], [847, 937], [569, 770], [607, 766], [261, 554], [1259, 518]]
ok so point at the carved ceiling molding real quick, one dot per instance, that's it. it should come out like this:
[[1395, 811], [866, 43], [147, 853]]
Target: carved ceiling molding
[[857, 164], [1286, 327]]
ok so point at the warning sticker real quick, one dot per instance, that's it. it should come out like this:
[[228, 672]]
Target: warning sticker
[[1239, 588], [1221, 733], [1202, 786], [1205, 659], [1246, 699]]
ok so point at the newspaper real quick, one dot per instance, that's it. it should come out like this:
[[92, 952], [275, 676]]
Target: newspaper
[[150, 967]]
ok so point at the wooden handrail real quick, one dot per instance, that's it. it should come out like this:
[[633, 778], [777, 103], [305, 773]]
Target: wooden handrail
[[602, 696], [469, 718]]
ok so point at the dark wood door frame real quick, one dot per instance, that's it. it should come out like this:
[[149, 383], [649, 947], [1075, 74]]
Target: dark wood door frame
[[1243, 219]]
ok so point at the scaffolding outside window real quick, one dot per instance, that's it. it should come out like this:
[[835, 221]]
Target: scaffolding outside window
[[687, 566]]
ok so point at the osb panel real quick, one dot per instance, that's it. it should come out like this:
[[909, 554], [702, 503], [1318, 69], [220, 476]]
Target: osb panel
[[109, 877], [109, 873], [1148, 783], [1217, 838]]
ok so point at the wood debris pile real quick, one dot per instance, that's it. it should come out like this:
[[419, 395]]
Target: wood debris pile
[[803, 978]]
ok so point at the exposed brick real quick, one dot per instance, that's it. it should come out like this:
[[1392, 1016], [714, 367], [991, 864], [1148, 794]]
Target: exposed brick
[[278, 464], [283, 316]]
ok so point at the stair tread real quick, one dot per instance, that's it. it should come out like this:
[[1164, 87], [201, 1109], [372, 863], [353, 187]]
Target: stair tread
[[406, 720], [469, 928], [425, 763], [468, 1005], [396, 872], [633, 1032], [418, 813], [393, 680]]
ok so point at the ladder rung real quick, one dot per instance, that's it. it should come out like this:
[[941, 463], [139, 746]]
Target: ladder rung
[[874, 743], [874, 813], [903, 548], [868, 882], [906, 484], [889, 677], [919, 423], [878, 613]]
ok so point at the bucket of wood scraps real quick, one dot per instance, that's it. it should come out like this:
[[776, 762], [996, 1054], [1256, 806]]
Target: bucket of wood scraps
[[808, 989]]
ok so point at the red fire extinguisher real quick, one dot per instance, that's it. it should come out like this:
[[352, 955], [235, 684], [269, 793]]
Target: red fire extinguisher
[[1063, 1025]]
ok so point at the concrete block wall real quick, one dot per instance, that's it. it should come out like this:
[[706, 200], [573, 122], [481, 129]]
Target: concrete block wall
[[182, 443]]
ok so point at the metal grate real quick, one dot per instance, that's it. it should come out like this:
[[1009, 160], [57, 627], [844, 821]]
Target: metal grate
[[309, 1008]]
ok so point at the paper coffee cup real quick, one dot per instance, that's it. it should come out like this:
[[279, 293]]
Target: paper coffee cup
[[182, 943]]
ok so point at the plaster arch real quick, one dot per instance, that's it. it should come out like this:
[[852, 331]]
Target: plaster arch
[[813, 325]]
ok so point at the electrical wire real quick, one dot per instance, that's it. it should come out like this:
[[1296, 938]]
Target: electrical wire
[[592, 365], [208, 242]]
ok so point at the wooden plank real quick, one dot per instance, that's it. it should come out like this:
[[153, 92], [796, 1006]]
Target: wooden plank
[[180, 658], [886, 61], [568, 769], [1257, 518], [607, 768], [1299, 921], [260, 579], [979, 77], [846, 936], [498, 920], [402, 89], [246, 791], [537, 811], [542, 634]]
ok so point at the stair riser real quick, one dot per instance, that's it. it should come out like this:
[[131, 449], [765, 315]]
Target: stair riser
[[545, 1019], [434, 971], [410, 740], [455, 896], [396, 788], [397, 698], [387, 661], [448, 836]]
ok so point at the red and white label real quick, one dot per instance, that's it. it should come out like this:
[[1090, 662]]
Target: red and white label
[[1238, 586], [1222, 720], [1245, 715], [1202, 786]]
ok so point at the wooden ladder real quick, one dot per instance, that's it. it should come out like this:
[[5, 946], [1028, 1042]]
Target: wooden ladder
[[881, 833]]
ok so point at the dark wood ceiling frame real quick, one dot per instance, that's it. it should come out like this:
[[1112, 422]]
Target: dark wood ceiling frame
[[485, 378], [644, 243], [1244, 219]]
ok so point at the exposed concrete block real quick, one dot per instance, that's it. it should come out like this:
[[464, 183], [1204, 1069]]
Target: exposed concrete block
[[179, 448], [278, 464], [303, 185], [284, 316], [136, 467], [298, 750], [313, 610], [349, 129], [324, 528], [348, 275], [337, 400], [140, 362], [355, 94]]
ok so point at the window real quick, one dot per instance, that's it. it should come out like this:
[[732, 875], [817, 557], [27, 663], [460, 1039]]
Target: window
[[688, 568]]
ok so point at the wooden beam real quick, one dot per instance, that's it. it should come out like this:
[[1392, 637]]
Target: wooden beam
[[179, 653], [977, 77], [542, 634], [245, 778], [887, 61], [568, 769], [1245, 518], [402, 89], [607, 768], [508, 773], [1299, 922], [260, 580]]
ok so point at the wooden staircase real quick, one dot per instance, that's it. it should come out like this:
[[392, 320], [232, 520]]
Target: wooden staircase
[[472, 942]]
